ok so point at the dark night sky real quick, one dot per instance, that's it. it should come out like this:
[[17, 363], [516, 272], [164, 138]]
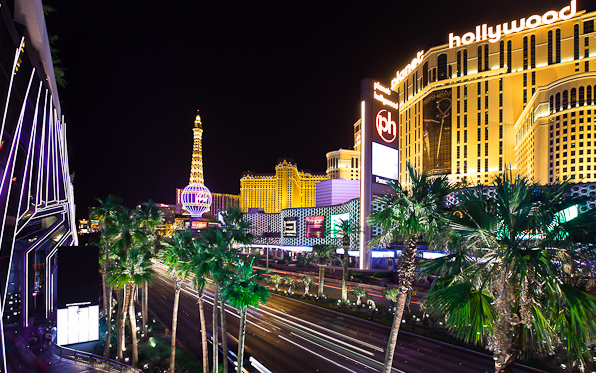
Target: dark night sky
[[271, 80]]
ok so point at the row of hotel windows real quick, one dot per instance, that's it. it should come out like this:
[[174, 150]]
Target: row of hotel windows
[[576, 100], [444, 70]]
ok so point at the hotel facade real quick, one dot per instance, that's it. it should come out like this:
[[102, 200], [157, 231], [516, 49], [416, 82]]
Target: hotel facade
[[518, 95]]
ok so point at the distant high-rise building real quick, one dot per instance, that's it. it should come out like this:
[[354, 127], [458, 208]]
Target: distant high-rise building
[[287, 188]]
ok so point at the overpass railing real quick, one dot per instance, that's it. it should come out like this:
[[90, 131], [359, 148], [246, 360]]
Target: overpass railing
[[90, 360]]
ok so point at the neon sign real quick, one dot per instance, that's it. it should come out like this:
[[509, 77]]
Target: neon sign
[[493, 34], [400, 75], [386, 128], [382, 99]]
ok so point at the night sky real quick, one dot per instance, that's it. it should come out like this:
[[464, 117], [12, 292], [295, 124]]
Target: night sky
[[271, 80]]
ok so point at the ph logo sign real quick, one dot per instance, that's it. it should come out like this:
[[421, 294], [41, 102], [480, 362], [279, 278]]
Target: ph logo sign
[[386, 127]]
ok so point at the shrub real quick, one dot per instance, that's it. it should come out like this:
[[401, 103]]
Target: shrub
[[380, 274]]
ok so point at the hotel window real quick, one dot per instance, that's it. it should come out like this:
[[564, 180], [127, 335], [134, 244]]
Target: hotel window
[[458, 153], [458, 106], [486, 165], [458, 121], [465, 91], [465, 151], [589, 95], [442, 66], [500, 100], [479, 54], [500, 163], [525, 79], [465, 106], [550, 47], [458, 137], [486, 102], [479, 120], [573, 101], [485, 118], [425, 74], [465, 62], [458, 90], [533, 51], [588, 26], [558, 45], [486, 150], [479, 104], [479, 152], [533, 77], [525, 54], [526, 96], [552, 104], [486, 135], [502, 54], [486, 86], [458, 63], [509, 55], [565, 102], [450, 71], [465, 135], [465, 167], [576, 42], [465, 120], [486, 57], [558, 101], [500, 84], [500, 131], [500, 116], [500, 147]]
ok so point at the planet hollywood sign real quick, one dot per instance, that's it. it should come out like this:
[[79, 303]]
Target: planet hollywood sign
[[493, 34]]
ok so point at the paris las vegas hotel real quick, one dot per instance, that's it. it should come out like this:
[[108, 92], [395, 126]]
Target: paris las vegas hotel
[[521, 94]]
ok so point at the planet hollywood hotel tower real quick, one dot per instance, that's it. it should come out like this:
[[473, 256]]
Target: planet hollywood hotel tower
[[518, 95]]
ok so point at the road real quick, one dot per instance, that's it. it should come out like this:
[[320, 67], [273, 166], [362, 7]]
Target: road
[[287, 336]]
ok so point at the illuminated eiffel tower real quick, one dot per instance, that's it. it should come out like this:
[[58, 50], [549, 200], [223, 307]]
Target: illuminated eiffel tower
[[196, 197], [196, 167]]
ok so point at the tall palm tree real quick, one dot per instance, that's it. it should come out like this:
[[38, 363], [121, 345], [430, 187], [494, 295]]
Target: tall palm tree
[[510, 285], [131, 269], [345, 229], [243, 290], [106, 213], [409, 215], [176, 253], [149, 215], [200, 268], [324, 254]]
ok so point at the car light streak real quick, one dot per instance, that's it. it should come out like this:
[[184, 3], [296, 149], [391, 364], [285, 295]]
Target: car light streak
[[347, 357], [314, 353]]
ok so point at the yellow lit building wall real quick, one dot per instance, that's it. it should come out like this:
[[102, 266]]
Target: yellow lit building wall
[[495, 87], [287, 188], [343, 164]]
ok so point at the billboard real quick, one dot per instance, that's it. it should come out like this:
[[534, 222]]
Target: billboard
[[315, 226], [335, 220], [437, 132], [290, 228], [78, 285]]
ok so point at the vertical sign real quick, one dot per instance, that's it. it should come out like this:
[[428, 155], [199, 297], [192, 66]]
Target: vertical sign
[[379, 153], [437, 132]]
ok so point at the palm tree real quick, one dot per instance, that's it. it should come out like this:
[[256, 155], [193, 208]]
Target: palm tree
[[345, 229], [177, 252], [324, 253], [149, 215], [242, 291], [359, 292], [413, 214], [290, 282], [306, 282], [200, 269], [275, 280], [510, 284], [106, 213], [131, 269]]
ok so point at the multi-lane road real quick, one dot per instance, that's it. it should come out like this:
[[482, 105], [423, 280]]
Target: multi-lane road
[[287, 336]]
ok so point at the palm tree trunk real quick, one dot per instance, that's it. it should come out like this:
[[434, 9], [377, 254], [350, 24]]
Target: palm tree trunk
[[241, 335], [133, 327], [321, 280], [504, 361], [104, 278], [120, 325], [215, 330], [106, 351], [124, 313], [406, 276], [344, 275], [145, 308], [203, 332], [224, 334], [174, 325]]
